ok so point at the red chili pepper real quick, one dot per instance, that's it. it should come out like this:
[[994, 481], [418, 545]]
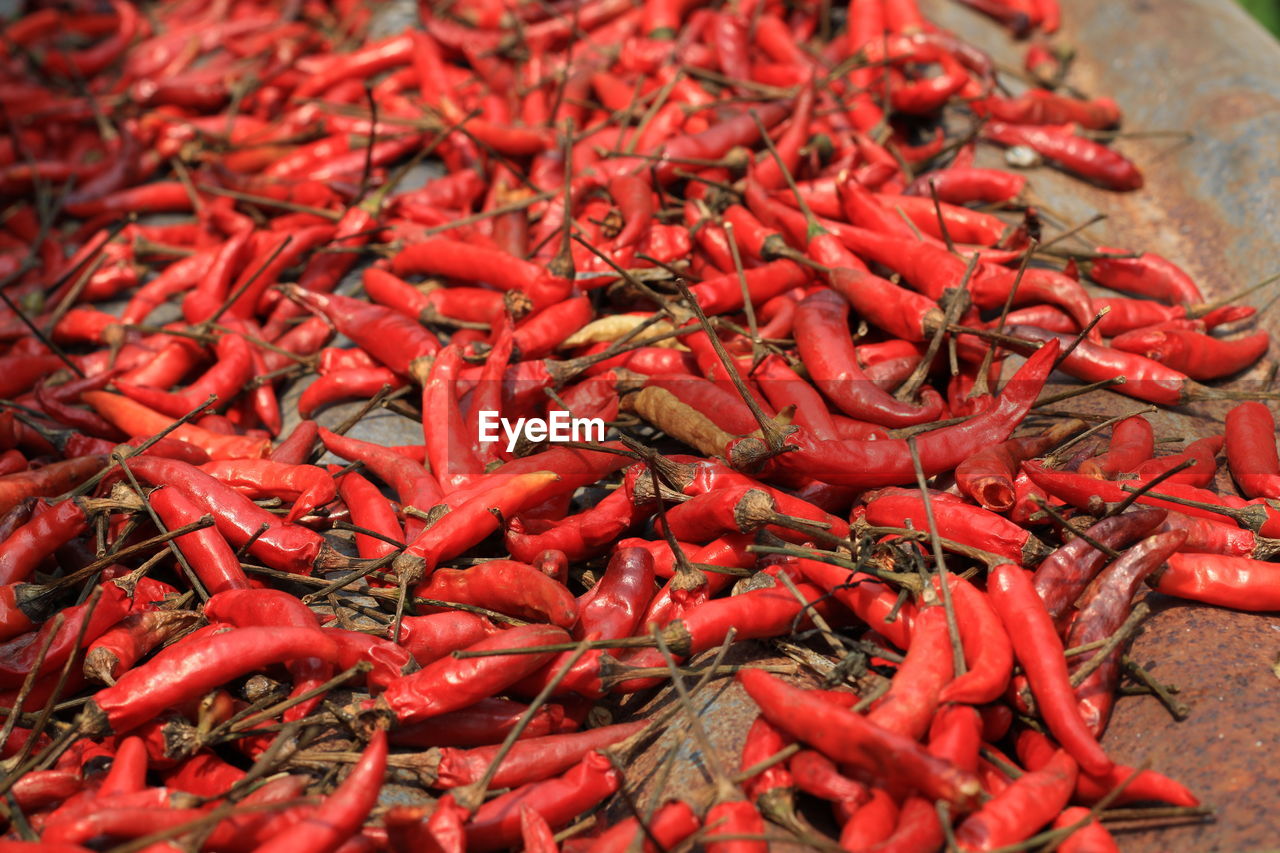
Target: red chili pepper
[[1036, 106], [52, 479], [496, 824], [389, 337], [827, 350], [960, 522], [879, 463], [1102, 610], [1197, 355], [1032, 801], [507, 587], [1081, 156], [847, 737], [913, 696], [18, 657], [119, 648], [1132, 443], [25, 548], [1038, 649], [457, 260], [211, 558]]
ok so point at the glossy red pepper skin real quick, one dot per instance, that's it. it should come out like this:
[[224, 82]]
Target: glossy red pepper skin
[[1200, 356], [848, 737], [881, 463], [1038, 649], [1132, 443], [826, 348], [1032, 801], [1076, 154], [1147, 275], [421, 695], [506, 586], [1236, 582], [1251, 449], [211, 558]]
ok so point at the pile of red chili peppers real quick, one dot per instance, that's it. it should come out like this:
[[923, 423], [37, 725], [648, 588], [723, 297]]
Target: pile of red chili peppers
[[739, 235]]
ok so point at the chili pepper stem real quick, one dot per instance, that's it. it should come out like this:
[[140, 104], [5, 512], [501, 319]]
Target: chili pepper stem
[[939, 560], [1078, 391]]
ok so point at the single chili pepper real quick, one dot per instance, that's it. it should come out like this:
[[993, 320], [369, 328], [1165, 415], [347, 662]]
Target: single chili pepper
[[1081, 156], [817, 775], [419, 696], [962, 224], [850, 738], [388, 336], [530, 759], [211, 558], [825, 347], [957, 185], [1103, 607], [486, 722], [344, 811], [913, 696], [137, 420], [119, 648], [370, 510], [1146, 379], [772, 789], [474, 515], [454, 259], [579, 536], [358, 383], [1197, 355], [734, 818], [451, 458], [988, 652], [506, 586], [956, 734], [305, 486], [1038, 649], [871, 823], [1132, 443], [52, 479], [193, 667], [878, 463], [1091, 837], [870, 600], [1251, 449], [1240, 583], [1202, 452], [496, 824], [1032, 801], [429, 638], [614, 606], [671, 824], [28, 546], [1036, 106], [960, 522], [1147, 275]]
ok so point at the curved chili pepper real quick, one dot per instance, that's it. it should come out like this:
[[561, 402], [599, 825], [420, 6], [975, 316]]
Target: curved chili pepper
[[827, 351], [1147, 275], [1132, 443], [530, 759], [507, 587], [970, 525], [1079, 155], [344, 811], [137, 420], [194, 667], [358, 383], [1038, 649], [579, 536], [1202, 452], [211, 558], [30, 544], [1195, 354], [52, 479], [1102, 610], [388, 336], [913, 696], [1032, 801], [879, 463], [850, 738]]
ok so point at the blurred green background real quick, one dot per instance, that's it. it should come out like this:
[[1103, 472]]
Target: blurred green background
[[1266, 11]]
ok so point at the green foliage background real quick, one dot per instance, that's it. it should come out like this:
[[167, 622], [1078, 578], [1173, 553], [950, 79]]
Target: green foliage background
[[1266, 11]]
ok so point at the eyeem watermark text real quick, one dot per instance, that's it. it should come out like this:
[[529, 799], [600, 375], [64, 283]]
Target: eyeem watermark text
[[559, 426]]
